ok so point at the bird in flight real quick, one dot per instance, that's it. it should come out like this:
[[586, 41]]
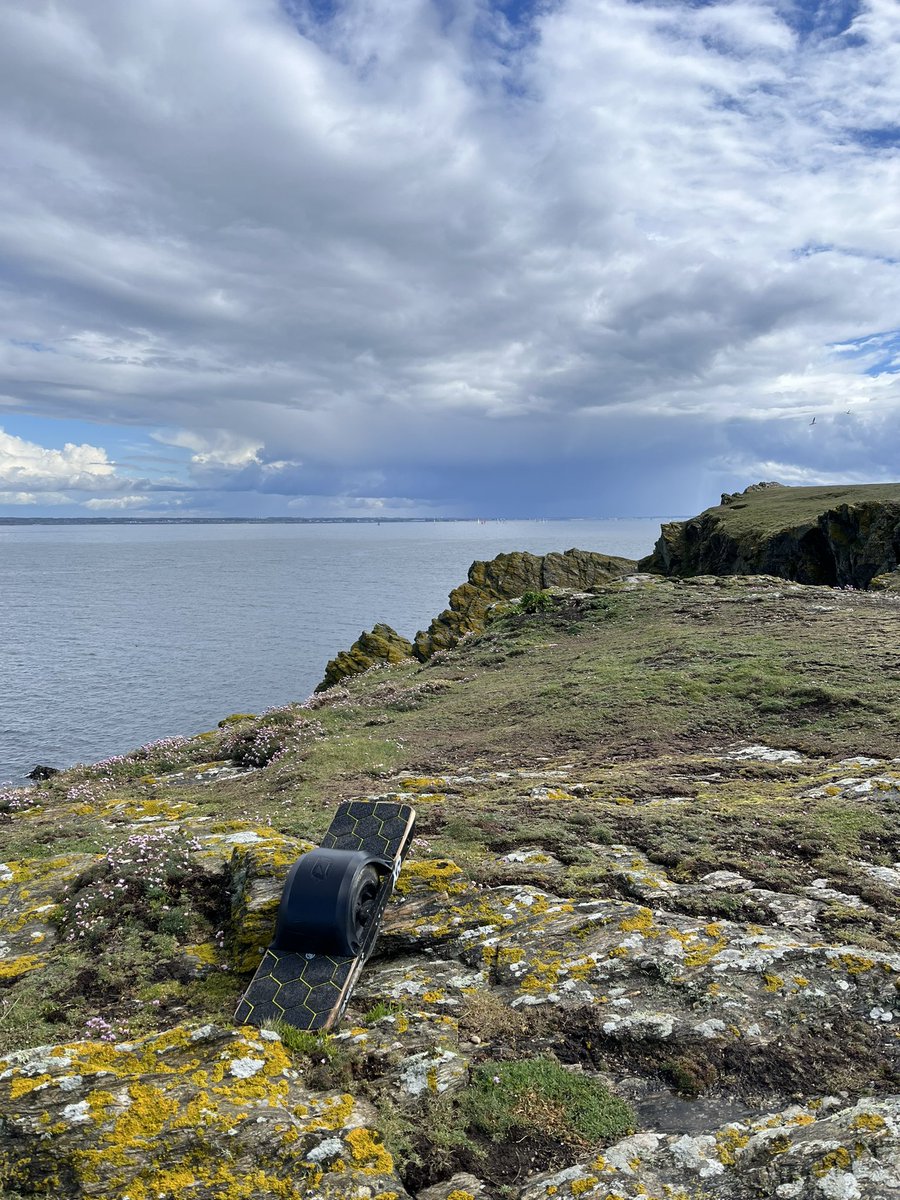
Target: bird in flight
[[813, 421]]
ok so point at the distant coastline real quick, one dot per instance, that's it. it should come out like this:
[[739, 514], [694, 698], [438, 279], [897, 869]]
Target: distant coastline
[[300, 520], [236, 520]]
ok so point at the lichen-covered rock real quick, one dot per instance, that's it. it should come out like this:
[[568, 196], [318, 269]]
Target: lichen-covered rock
[[198, 1113], [508, 576], [31, 893], [840, 536], [824, 1150], [255, 880], [462, 1186], [647, 975], [889, 581], [410, 1054], [375, 646]]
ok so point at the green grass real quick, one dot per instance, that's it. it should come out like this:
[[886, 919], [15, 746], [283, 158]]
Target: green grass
[[773, 509], [379, 1010], [306, 1042], [538, 1096]]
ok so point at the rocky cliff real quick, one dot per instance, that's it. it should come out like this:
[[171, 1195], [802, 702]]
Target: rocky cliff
[[843, 536], [506, 577], [645, 945], [379, 645]]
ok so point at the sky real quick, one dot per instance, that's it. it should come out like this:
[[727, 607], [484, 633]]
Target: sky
[[476, 258]]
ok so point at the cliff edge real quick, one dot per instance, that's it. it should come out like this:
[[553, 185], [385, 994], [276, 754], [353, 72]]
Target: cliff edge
[[506, 577], [841, 536]]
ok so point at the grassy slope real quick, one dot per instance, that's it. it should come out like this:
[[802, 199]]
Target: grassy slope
[[771, 510], [641, 690]]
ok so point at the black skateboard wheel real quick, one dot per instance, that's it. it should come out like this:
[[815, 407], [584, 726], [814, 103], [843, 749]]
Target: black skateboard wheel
[[327, 902]]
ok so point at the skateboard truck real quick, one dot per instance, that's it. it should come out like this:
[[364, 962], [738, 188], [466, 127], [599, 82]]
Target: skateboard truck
[[328, 901]]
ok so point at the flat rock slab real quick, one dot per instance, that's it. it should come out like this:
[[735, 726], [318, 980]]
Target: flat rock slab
[[191, 1114]]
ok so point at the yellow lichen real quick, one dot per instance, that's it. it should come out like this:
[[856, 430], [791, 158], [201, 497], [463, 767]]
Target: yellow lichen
[[728, 1142], [855, 964], [870, 1121], [335, 1114], [12, 968], [205, 952], [579, 1186], [368, 1153], [835, 1160], [438, 874], [641, 922], [21, 1085]]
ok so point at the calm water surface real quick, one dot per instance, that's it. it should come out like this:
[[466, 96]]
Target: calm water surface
[[113, 636]]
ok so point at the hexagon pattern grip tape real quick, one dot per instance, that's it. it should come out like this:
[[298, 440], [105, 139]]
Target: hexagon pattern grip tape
[[331, 909]]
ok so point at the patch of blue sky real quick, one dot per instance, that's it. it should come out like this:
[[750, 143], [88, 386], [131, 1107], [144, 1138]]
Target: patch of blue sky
[[302, 12], [810, 20], [37, 347], [884, 137], [877, 353], [809, 249], [132, 449], [815, 19]]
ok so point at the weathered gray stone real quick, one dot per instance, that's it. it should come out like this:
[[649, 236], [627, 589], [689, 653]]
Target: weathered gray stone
[[198, 1112], [818, 1151]]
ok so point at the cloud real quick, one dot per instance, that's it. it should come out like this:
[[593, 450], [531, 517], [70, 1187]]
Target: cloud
[[29, 498], [221, 449], [115, 503], [408, 249], [24, 463]]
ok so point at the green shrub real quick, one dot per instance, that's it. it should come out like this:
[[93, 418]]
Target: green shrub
[[539, 1096], [534, 602]]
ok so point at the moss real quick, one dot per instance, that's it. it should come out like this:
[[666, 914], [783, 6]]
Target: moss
[[539, 1096]]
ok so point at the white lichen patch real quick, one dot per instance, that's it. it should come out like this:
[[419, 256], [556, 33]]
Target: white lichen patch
[[244, 1068], [328, 1148]]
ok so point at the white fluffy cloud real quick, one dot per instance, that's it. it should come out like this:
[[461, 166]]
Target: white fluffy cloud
[[27, 465], [421, 244], [116, 503]]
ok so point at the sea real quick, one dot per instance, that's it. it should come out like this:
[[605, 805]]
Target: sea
[[114, 635]]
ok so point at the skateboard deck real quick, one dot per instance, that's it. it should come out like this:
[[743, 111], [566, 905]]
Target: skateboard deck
[[311, 991]]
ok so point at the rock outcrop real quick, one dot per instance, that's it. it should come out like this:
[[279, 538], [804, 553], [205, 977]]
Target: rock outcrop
[[507, 577], [839, 536], [201, 1112], [379, 645], [888, 582]]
